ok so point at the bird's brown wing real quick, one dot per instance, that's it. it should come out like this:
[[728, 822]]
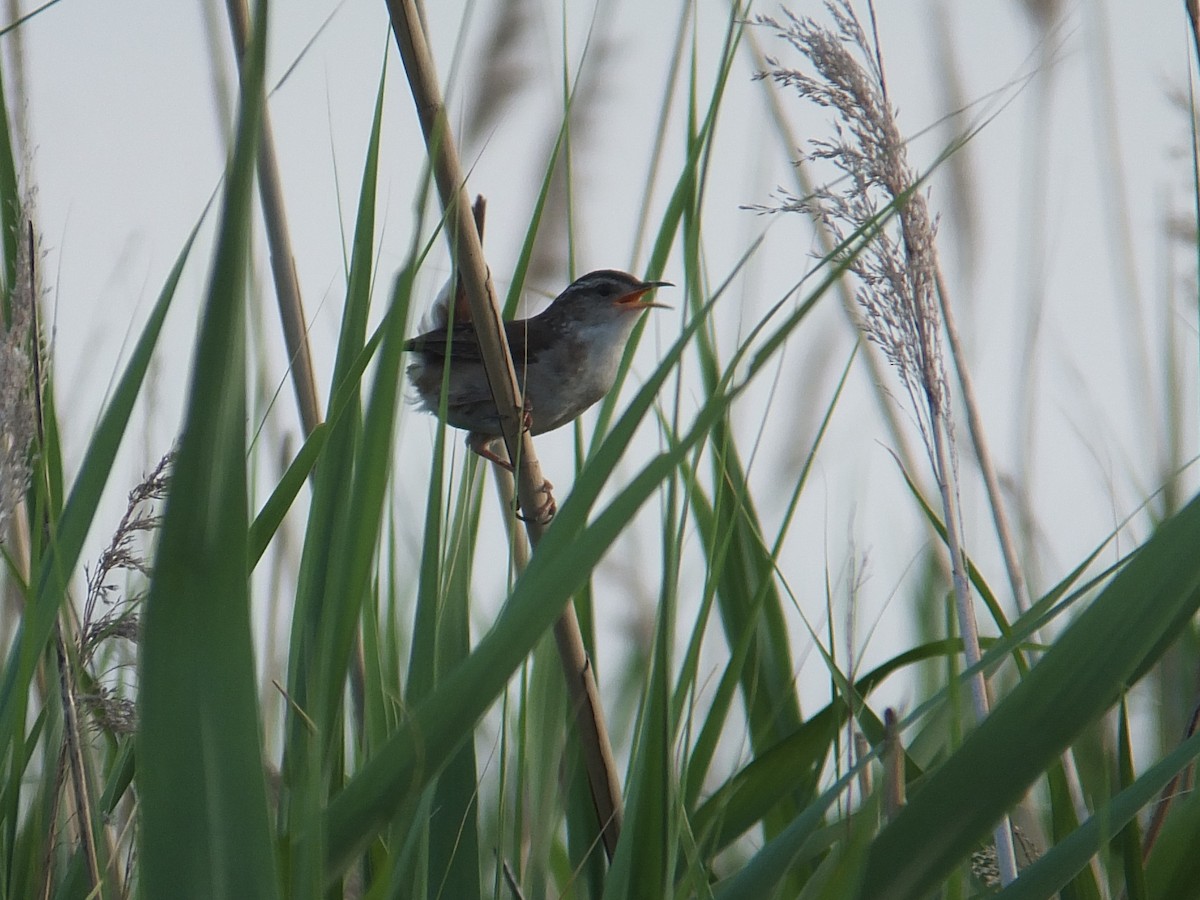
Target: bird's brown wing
[[463, 345]]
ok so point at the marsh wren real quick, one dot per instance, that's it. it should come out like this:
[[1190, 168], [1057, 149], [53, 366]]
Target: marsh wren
[[566, 359]]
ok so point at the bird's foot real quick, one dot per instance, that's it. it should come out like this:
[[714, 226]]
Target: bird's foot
[[544, 513]]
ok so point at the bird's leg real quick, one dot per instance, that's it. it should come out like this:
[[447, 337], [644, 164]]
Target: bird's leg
[[526, 415], [481, 445]]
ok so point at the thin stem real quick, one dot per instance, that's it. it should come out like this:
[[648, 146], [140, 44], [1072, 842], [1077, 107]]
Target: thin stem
[[1012, 563], [1006, 859], [75, 762], [1008, 546]]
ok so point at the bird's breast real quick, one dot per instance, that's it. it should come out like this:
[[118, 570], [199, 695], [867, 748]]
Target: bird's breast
[[568, 377]]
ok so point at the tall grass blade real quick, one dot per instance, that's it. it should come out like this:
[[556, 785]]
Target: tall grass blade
[[204, 829], [339, 544], [1074, 683], [1044, 878], [794, 764], [1131, 834], [646, 853]]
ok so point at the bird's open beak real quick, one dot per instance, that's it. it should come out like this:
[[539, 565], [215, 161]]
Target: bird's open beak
[[634, 298]]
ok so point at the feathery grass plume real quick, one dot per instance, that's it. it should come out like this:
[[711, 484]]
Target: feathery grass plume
[[897, 269], [897, 266], [18, 412], [121, 555], [112, 712]]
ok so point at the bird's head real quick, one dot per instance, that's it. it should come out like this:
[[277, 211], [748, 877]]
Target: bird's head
[[604, 296]]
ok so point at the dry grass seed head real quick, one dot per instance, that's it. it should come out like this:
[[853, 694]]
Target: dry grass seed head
[[18, 408], [122, 554], [896, 265]]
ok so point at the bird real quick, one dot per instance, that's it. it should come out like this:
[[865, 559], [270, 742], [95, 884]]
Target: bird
[[566, 358]]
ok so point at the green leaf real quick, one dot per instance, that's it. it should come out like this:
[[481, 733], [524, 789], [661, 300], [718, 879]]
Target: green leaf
[[204, 829], [793, 764], [1131, 835], [645, 857], [339, 545], [1045, 877], [1074, 683]]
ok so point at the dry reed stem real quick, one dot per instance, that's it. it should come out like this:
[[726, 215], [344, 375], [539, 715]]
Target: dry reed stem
[[26, 294], [485, 312], [75, 761], [1193, 11], [894, 783], [283, 265], [983, 454]]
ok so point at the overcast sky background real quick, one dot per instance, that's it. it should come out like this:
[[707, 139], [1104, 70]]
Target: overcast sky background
[[1072, 182]]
